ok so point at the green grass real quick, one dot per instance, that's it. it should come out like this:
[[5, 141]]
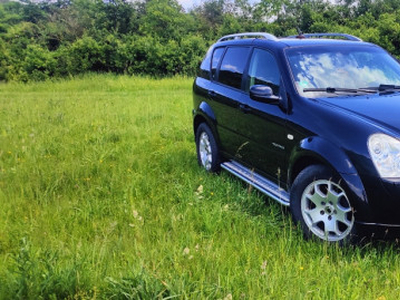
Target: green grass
[[101, 197]]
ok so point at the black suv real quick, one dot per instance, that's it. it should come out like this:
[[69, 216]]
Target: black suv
[[312, 121]]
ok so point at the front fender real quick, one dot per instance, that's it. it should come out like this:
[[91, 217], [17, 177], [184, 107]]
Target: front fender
[[330, 153], [318, 150]]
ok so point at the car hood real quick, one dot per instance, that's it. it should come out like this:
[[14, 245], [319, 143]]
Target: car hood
[[383, 110]]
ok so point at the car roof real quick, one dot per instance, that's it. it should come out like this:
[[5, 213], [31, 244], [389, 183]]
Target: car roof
[[307, 40]]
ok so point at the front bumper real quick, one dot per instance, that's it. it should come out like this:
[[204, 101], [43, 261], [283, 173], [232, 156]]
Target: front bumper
[[379, 230], [383, 201]]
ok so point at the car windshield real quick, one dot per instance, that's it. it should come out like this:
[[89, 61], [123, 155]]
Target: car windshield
[[332, 71]]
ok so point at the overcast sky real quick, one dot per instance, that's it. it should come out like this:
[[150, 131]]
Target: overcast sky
[[187, 4]]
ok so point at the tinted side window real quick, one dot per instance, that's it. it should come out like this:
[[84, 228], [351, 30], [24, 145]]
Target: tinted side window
[[232, 67], [264, 70], [215, 61], [205, 66]]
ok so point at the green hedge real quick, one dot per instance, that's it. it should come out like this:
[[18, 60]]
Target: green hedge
[[40, 40]]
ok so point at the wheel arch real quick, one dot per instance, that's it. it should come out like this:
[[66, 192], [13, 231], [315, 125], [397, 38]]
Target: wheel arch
[[303, 161], [205, 114], [315, 150]]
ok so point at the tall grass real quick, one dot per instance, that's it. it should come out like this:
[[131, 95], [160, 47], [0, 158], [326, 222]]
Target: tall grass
[[101, 197]]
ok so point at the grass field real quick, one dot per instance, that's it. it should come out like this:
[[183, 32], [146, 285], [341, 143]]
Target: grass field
[[101, 197]]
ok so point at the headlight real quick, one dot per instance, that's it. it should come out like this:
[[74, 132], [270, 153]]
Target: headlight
[[385, 153]]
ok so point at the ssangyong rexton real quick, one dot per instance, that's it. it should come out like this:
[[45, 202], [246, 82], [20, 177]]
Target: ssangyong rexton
[[312, 121]]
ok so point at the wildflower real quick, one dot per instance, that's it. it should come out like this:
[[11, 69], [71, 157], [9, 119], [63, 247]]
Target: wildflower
[[137, 216], [264, 265], [200, 189], [228, 297], [186, 251]]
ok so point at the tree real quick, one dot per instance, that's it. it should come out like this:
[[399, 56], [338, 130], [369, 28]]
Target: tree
[[165, 19]]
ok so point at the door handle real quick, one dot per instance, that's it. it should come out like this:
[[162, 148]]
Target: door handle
[[212, 93], [244, 108]]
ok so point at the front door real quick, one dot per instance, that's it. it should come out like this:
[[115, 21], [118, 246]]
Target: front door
[[265, 123]]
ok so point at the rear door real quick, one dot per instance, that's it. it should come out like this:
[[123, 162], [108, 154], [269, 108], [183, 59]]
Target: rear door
[[228, 97]]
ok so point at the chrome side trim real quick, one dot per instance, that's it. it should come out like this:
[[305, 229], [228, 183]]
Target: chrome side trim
[[379, 225], [259, 182]]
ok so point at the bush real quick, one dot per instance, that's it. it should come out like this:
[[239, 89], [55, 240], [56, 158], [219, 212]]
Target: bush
[[43, 39], [84, 55]]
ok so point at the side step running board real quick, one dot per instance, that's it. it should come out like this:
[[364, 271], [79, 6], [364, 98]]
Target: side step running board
[[259, 182]]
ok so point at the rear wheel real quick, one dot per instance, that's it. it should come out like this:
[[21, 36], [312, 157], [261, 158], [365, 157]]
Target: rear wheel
[[320, 204], [207, 149]]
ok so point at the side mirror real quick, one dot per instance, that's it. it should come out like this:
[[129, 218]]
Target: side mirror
[[263, 93]]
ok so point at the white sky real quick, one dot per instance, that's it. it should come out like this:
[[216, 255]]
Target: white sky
[[187, 4]]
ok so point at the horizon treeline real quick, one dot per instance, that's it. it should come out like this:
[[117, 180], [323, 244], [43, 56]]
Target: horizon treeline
[[44, 39]]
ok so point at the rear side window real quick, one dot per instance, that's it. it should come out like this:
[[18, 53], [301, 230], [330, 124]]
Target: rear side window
[[215, 61], [232, 66], [205, 66]]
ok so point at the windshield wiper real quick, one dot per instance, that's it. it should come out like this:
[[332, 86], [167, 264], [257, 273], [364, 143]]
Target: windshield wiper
[[332, 90], [388, 88]]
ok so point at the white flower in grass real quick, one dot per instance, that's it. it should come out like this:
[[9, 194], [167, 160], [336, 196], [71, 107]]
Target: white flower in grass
[[263, 267], [137, 216], [199, 191], [228, 297]]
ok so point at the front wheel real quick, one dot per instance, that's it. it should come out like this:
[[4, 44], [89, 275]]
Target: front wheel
[[320, 204]]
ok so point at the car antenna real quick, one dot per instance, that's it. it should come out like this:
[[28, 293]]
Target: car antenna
[[299, 33]]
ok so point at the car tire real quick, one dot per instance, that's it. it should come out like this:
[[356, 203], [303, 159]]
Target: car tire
[[320, 203], [207, 149]]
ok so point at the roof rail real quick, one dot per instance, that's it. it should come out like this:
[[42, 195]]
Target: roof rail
[[238, 36], [328, 35]]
